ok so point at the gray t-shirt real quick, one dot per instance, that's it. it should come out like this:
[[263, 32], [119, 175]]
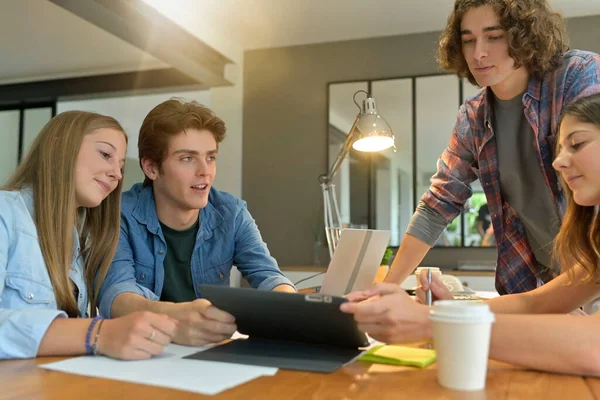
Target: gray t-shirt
[[522, 186], [522, 182]]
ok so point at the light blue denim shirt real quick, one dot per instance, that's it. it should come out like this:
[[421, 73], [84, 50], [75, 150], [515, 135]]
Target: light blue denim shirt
[[227, 236], [27, 302]]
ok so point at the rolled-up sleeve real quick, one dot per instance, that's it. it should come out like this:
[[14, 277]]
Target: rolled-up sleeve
[[426, 224], [121, 276], [252, 257], [22, 331]]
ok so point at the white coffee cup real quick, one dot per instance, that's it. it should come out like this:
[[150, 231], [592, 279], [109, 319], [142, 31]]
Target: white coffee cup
[[461, 336]]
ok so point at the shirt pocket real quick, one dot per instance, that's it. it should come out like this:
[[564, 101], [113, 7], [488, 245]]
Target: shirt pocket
[[23, 291], [220, 273], [144, 275]]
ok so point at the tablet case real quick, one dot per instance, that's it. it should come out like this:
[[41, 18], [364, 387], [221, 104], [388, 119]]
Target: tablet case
[[304, 332]]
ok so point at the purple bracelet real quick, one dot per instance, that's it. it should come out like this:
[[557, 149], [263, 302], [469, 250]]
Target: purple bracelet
[[88, 337]]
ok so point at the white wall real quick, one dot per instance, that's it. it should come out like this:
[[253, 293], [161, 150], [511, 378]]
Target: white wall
[[130, 111]]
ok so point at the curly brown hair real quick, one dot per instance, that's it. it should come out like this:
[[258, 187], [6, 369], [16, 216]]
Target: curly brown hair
[[536, 36]]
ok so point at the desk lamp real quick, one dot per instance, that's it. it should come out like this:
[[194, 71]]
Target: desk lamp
[[369, 133]]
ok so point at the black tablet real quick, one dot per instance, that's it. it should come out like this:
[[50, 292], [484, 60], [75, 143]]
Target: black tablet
[[305, 318]]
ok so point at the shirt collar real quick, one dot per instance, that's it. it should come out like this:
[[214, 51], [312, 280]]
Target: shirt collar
[[145, 213]]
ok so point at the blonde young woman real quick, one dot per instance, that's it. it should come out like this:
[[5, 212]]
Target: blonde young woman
[[560, 343], [59, 227]]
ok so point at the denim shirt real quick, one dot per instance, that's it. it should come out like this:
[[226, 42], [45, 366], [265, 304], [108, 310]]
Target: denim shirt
[[27, 302], [227, 236]]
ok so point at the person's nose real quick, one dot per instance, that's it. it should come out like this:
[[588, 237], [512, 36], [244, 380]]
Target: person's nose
[[202, 168], [481, 50], [116, 172], [562, 161]]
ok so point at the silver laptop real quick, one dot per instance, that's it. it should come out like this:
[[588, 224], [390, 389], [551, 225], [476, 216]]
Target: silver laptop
[[355, 261]]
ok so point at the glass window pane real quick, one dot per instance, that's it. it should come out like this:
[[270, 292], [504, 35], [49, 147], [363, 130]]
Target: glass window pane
[[9, 137], [35, 119], [437, 105], [473, 236], [478, 222], [393, 169], [352, 179]]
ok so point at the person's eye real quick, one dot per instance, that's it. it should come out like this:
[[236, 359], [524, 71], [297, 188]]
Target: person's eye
[[105, 155], [496, 37], [186, 158], [468, 41], [212, 158], [576, 146]]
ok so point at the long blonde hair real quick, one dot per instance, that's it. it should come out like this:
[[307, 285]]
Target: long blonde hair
[[578, 241], [49, 169]]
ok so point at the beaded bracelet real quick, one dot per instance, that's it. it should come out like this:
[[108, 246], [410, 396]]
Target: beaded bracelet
[[95, 344], [88, 336]]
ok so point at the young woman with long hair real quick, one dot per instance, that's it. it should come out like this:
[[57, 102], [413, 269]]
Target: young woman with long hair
[[59, 227]]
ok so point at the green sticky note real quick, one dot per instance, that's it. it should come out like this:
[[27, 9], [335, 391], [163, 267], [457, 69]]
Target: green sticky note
[[400, 355]]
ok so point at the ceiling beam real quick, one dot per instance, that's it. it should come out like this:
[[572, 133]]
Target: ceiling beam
[[98, 85], [141, 25]]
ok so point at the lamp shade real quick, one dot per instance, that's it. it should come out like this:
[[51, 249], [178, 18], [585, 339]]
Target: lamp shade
[[371, 132]]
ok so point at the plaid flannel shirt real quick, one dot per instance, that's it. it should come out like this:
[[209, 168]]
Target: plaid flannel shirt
[[472, 154]]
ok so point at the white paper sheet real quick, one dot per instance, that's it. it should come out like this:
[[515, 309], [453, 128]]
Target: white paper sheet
[[167, 370]]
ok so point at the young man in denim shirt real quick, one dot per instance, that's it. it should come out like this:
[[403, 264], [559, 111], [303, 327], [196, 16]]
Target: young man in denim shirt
[[177, 231]]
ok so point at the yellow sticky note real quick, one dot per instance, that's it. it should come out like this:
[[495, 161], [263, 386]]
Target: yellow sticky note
[[400, 355]]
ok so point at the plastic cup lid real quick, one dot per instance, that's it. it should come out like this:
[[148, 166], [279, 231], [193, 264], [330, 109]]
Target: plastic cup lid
[[460, 311], [434, 270]]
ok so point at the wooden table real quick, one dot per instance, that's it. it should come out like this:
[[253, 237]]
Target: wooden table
[[22, 379]]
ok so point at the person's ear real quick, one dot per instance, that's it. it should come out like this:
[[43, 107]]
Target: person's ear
[[150, 168]]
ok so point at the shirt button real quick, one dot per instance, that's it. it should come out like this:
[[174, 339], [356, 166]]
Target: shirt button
[[142, 277], [30, 297], [160, 252], [221, 276]]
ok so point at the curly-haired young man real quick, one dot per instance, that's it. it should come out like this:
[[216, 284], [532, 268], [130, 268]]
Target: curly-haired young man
[[504, 135]]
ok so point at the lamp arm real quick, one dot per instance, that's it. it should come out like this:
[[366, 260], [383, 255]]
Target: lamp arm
[[335, 167], [333, 220]]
